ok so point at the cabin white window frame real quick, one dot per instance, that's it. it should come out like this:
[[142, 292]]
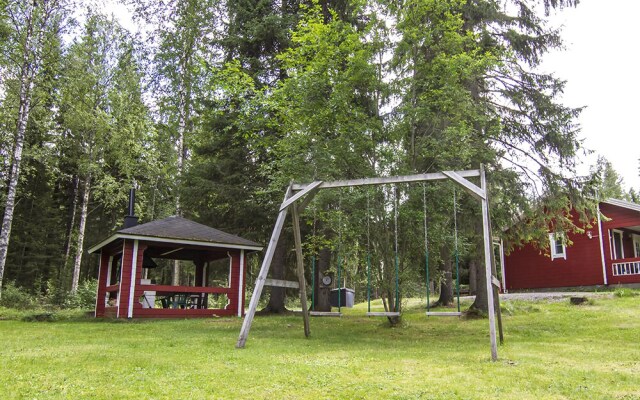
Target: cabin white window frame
[[555, 239], [614, 253]]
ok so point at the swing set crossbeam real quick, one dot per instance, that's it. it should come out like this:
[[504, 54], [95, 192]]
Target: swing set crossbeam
[[433, 176]]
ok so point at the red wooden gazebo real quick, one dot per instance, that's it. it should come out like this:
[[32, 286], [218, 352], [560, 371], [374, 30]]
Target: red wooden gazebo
[[123, 291]]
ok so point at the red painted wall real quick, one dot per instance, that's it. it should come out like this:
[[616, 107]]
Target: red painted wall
[[527, 268], [620, 218]]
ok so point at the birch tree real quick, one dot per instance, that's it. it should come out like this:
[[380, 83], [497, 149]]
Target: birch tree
[[103, 118], [30, 21], [180, 36]]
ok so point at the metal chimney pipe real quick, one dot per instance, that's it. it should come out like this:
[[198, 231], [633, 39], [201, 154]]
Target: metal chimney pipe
[[131, 220], [132, 201]]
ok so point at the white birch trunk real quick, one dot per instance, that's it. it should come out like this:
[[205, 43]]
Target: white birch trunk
[[184, 109], [81, 229], [28, 71], [74, 207], [182, 124]]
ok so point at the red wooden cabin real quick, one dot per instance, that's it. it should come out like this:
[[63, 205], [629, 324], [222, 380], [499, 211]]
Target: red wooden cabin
[[125, 257], [608, 253]]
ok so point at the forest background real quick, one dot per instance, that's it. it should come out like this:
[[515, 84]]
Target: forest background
[[216, 105]]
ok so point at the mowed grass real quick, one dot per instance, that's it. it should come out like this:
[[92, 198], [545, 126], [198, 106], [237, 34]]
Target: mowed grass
[[552, 350]]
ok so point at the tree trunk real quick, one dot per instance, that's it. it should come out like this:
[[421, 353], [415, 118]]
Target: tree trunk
[[72, 223], [175, 273], [446, 286], [37, 20], [322, 291], [473, 276], [86, 190], [26, 86], [480, 302], [278, 270], [175, 277], [184, 109]]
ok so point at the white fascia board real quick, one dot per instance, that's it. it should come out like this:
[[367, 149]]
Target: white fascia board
[[168, 240], [622, 204]]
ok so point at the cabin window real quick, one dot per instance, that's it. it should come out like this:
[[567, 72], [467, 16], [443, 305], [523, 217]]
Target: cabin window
[[557, 243], [636, 245]]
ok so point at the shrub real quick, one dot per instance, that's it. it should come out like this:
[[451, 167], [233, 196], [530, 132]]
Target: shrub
[[85, 297], [17, 298], [625, 292], [55, 294]]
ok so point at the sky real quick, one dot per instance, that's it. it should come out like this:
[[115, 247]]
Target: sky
[[600, 65]]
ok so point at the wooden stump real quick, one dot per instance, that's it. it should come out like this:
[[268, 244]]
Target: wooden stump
[[578, 300]]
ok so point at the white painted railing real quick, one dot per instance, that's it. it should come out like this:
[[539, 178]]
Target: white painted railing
[[626, 268]]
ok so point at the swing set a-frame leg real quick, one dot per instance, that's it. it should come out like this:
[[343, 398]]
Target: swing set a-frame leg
[[300, 267], [264, 271]]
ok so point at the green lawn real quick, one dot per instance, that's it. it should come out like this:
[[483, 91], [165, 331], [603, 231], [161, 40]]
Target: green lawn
[[552, 350]]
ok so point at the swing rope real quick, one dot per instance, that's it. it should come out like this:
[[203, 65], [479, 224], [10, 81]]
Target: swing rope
[[395, 223], [426, 240], [456, 252], [313, 266], [339, 251], [313, 287], [368, 255], [455, 233]]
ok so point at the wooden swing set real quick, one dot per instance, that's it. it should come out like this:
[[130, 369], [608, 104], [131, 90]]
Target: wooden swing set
[[298, 196]]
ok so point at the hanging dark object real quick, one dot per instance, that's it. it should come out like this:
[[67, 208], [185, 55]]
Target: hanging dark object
[[147, 262]]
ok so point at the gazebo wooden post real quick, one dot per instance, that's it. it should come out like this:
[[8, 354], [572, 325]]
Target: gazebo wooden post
[[199, 279], [103, 273], [236, 282]]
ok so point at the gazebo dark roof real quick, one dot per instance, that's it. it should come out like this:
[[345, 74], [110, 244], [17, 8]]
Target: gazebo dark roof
[[180, 230]]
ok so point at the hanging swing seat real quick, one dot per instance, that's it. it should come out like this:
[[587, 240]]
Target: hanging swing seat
[[443, 313], [325, 314], [282, 283], [383, 314]]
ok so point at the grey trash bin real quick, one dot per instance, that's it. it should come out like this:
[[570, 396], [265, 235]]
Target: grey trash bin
[[347, 297]]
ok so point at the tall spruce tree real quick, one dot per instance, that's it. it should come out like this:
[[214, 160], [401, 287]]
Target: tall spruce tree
[[471, 67], [232, 163], [329, 112]]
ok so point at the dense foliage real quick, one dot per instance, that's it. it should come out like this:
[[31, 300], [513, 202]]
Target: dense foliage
[[215, 106]]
